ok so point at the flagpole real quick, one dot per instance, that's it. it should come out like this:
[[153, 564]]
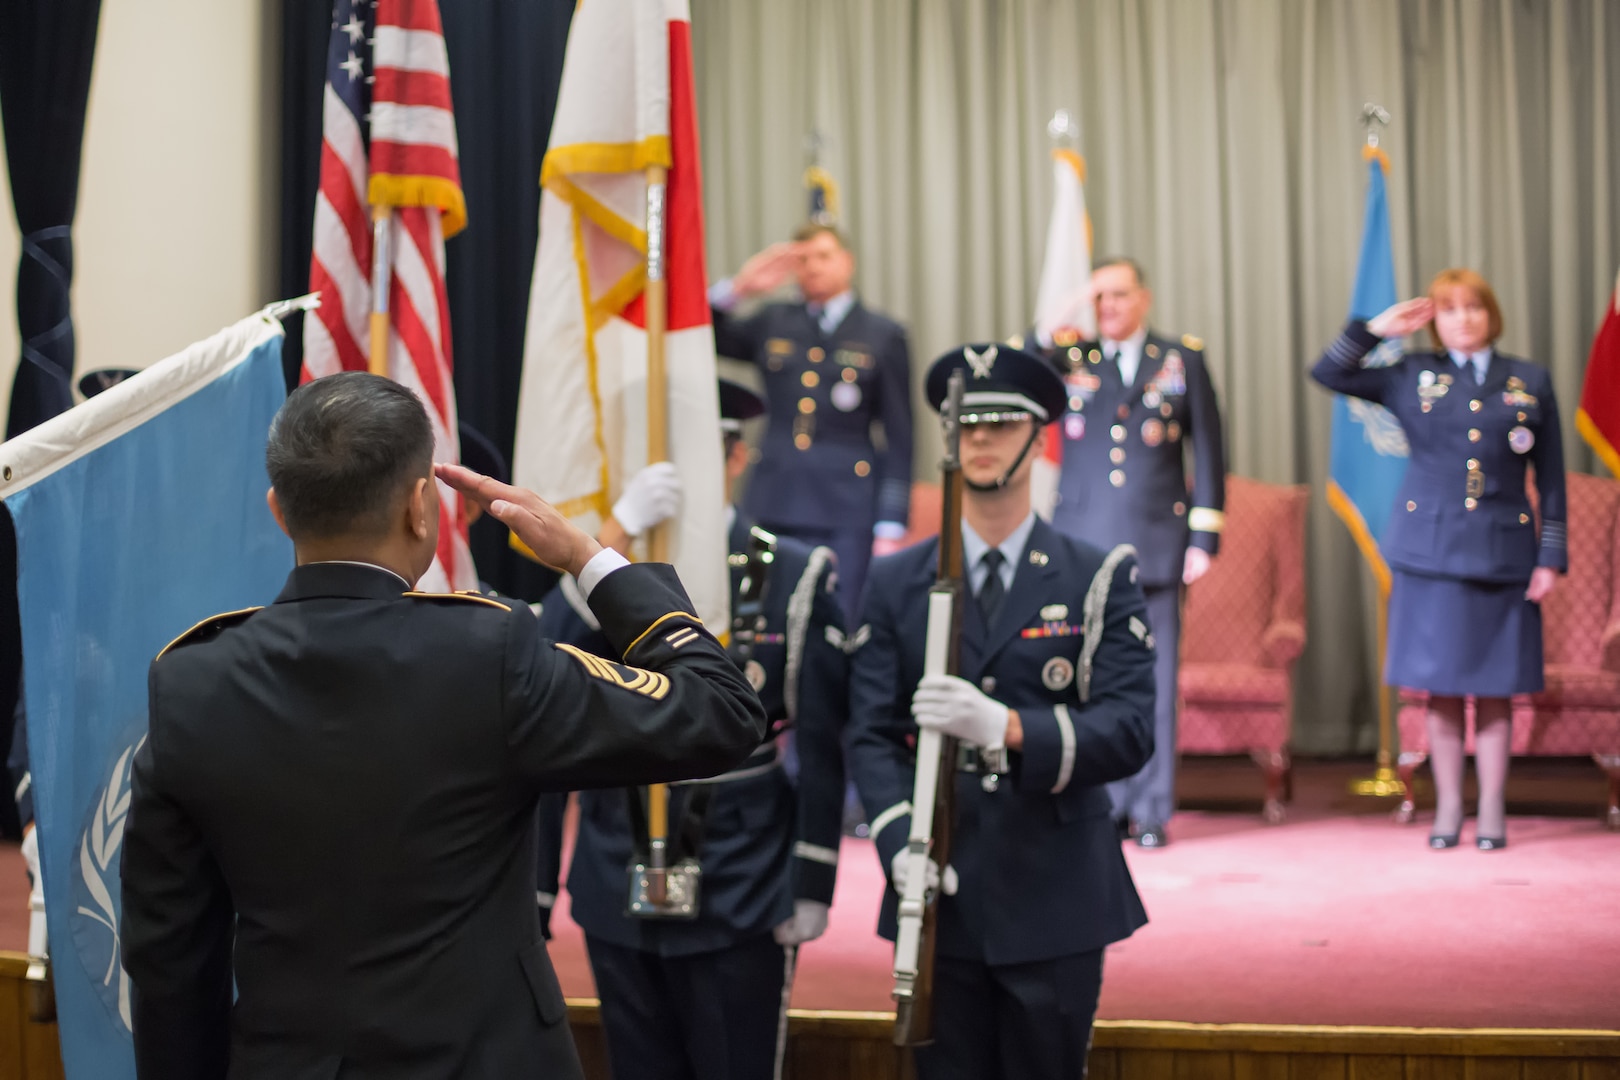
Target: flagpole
[[1385, 781], [382, 266], [656, 296]]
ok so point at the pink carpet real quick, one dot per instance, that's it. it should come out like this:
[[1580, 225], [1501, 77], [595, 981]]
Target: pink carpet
[[1340, 921], [1343, 920]]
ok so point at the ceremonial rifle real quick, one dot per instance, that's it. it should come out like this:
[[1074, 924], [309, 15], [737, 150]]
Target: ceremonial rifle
[[934, 788]]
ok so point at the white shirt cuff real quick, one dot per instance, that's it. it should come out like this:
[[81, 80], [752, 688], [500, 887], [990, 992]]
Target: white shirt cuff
[[889, 530], [722, 295], [602, 564]]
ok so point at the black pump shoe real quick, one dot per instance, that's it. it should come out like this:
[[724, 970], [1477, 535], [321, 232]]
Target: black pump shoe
[[1437, 842], [1490, 843]]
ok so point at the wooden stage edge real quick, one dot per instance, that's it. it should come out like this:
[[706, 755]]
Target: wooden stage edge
[[1249, 1038], [856, 1046]]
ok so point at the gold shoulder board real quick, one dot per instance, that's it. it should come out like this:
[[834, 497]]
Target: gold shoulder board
[[213, 622], [1192, 342], [469, 596]]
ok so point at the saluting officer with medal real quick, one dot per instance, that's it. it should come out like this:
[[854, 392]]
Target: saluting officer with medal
[[835, 373], [1137, 403]]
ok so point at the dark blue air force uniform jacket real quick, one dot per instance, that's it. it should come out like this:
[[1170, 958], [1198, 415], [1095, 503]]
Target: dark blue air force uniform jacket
[[1042, 875], [1124, 477], [766, 841], [1462, 511], [819, 466]]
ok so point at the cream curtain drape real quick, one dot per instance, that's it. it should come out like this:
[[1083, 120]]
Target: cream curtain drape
[[1224, 151]]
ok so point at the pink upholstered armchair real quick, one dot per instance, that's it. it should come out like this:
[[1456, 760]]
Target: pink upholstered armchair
[[1242, 629], [1579, 711]]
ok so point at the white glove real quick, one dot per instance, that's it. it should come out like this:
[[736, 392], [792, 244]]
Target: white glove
[[898, 873], [30, 854], [955, 707], [808, 922], [652, 495], [36, 898]]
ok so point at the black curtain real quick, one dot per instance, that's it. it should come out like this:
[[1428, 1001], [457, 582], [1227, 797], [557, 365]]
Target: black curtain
[[505, 63], [46, 48]]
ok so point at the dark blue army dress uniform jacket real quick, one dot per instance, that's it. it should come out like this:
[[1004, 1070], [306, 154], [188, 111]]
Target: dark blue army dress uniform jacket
[[1462, 511], [766, 841], [1041, 871], [819, 466], [334, 810], [1124, 474]]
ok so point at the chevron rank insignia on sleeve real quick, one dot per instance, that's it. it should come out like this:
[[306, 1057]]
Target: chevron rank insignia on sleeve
[[650, 684]]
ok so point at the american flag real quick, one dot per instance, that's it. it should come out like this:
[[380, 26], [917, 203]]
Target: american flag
[[389, 140]]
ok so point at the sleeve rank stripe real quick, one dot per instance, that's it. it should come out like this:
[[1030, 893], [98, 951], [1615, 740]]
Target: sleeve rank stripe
[[889, 817], [661, 620], [1066, 738], [815, 853], [1345, 352]]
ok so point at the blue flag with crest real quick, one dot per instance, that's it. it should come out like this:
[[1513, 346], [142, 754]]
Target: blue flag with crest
[[138, 514], [1369, 450]]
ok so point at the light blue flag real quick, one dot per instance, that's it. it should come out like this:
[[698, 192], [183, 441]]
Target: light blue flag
[[1369, 451], [138, 514]]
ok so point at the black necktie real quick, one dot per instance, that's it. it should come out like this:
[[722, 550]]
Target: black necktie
[[992, 592], [815, 311]]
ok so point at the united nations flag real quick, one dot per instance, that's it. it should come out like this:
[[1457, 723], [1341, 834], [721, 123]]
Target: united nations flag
[[138, 513]]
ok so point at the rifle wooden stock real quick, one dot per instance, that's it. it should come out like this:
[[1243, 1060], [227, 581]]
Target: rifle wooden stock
[[933, 794]]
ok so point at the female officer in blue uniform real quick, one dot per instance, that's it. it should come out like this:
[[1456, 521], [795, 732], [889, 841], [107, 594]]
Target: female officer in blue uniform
[[1469, 569]]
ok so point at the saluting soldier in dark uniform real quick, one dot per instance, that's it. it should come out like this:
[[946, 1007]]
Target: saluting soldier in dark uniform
[[1056, 694], [1136, 402], [1469, 570], [704, 997], [329, 867], [833, 369]]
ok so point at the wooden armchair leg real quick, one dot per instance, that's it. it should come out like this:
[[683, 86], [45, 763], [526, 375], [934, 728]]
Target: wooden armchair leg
[[1407, 766], [1610, 764], [1277, 768]]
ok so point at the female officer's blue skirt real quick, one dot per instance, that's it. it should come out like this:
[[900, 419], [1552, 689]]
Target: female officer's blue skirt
[[1457, 638]]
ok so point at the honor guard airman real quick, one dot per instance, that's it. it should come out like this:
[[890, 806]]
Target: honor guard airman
[[1055, 697], [701, 993], [1135, 404], [834, 371]]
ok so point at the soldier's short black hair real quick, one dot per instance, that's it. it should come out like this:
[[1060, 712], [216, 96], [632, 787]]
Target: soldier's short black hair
[[341, 450], [1123, 260]]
